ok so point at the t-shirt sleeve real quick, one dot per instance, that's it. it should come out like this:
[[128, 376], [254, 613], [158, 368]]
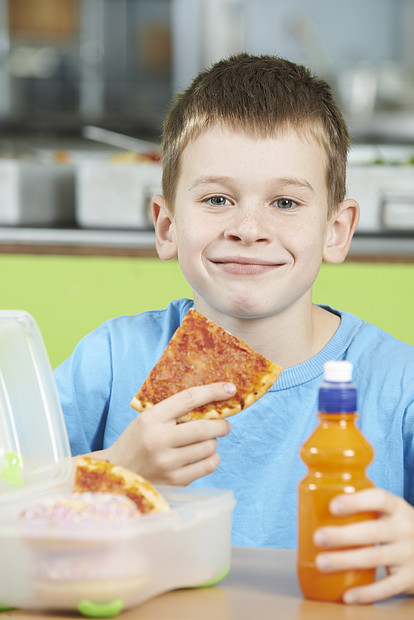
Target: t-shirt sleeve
[[84, 385]]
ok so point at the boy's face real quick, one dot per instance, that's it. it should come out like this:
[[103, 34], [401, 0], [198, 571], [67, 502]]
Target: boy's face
[[250, 221]]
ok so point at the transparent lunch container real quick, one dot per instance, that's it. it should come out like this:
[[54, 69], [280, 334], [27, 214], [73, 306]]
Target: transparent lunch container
[[101, 569]]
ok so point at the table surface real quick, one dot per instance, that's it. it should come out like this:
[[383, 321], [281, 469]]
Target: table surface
[[261, 584]]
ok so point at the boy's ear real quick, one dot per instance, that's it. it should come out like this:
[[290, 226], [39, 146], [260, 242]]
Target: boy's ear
[[341, 229], [165, 239]]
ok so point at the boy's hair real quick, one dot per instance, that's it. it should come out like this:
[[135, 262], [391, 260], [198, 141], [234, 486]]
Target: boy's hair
[[262, 95]]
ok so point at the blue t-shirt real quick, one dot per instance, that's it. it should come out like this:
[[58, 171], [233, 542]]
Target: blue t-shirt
[[259, 459]]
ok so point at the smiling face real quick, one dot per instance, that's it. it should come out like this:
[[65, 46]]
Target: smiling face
[[250, 222]]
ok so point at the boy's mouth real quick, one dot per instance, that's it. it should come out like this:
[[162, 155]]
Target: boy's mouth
[[242, 265]]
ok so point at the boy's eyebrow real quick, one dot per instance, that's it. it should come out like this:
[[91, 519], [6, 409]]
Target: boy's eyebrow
[[207, 180], [294, 182], [285, 181]]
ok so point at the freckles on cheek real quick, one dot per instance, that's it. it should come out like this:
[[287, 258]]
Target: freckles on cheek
[[301, 239], [184, 237]]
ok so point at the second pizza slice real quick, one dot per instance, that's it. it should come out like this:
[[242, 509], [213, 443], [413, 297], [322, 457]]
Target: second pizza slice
[[201, 352]]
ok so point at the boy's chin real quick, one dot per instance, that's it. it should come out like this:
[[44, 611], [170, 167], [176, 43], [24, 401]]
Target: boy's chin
[[246, 311]]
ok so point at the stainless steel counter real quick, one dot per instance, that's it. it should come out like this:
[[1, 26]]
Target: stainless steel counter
[[77, 236], [396, 247], [77, 241]]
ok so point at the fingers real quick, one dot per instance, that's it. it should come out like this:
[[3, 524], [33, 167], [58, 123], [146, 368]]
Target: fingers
[[185, 401], [156, 439], [176, 453], [169, 459], [167, 452], [379, 590], [397, 557], [386, 541], [361, 533], [198, 431], [193, 470], [395, 520], [368, 500], [180, 466], [364, 557]]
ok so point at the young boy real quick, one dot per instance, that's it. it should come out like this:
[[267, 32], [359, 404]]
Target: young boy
[[254, 164]]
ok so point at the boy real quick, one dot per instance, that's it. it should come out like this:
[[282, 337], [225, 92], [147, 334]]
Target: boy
[[254, 163]]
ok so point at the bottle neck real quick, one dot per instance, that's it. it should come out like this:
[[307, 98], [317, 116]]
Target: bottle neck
[[343, 416]]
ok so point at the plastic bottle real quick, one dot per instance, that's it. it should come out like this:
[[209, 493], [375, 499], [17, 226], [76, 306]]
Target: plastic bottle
[[337, 455]]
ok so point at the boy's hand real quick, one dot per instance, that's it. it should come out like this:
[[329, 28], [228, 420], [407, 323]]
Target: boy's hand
[[165, 452], [386, 542]]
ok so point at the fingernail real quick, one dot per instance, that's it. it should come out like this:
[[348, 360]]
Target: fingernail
[[320, 538], [336, 506], [230, 388], [323, 562], [349, 597]]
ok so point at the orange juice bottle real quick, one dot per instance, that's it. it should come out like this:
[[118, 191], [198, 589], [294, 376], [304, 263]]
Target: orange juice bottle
[[337, 455]]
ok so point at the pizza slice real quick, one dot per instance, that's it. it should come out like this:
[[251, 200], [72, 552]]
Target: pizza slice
[[202, 352], [96, 476]]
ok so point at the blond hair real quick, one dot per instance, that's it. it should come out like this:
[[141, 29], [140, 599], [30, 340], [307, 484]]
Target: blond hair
[[262, 95]]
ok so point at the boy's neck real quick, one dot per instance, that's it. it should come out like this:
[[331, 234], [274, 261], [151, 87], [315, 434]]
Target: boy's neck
[[285, 339]]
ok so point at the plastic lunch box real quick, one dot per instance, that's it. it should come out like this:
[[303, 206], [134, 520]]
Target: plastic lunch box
[[101, 570]]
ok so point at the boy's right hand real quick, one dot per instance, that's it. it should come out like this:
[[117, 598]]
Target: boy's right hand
[[164, 452]]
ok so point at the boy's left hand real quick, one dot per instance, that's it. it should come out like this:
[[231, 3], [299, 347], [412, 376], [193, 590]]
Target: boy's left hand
[[387, 541]]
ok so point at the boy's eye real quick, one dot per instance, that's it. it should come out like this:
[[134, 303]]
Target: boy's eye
[[218, 201], [285, 203]]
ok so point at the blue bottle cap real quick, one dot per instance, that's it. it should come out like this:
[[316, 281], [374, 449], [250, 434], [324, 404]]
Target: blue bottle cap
[[337, 397]]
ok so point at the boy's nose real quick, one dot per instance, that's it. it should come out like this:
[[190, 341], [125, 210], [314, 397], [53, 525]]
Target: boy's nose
[[248, 226]]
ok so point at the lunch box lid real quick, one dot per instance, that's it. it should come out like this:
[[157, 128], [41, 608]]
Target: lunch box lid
[[34, 446]]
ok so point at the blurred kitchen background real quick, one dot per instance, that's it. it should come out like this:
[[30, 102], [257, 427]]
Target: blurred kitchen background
[[85, 84]]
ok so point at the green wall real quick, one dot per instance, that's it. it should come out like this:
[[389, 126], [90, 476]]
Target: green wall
[[70, 295]]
